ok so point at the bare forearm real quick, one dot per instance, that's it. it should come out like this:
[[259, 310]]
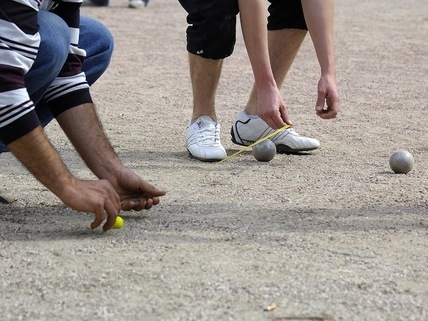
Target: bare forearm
[[253, 22], [37, 154], [319, 16], [83, 128]]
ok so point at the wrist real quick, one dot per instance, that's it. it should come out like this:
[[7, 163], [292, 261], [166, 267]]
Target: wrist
[[266, 84], [64, 187], [111, 172], [329, 74], [328, 68]]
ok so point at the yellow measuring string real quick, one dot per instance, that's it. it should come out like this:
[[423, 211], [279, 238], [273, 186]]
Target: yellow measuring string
[[253, 144]]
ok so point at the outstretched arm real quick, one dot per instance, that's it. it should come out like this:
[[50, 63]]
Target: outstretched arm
[[319, 16], [270, 105], [83, 128], [36, 153], [19, 126]]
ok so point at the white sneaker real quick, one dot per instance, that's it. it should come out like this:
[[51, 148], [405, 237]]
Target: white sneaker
[[6, 198], [247, 129], [203, 140], [135, 4]]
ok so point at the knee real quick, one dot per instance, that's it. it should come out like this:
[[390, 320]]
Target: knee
[[98, 43], [96, 39], [106, 41]]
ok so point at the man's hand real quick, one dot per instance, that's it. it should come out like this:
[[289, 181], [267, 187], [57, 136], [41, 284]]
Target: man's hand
[[135, 193], [327, 105], [271, 108], [98, 197]]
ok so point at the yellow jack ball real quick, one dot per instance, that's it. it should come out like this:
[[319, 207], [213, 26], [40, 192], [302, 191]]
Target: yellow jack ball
[[118, 223]]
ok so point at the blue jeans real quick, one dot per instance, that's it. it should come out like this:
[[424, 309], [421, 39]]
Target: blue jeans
[[55, 41]]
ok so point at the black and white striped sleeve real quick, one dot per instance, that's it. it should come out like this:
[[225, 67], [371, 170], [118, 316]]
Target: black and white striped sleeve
[[19, 43], [70, 88]]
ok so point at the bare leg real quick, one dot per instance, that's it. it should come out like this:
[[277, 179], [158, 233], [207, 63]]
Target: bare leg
[[203, 136], [283, 47], [205, 76]]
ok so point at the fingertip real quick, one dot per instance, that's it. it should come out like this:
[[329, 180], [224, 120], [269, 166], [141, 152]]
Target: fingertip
[[281, 123], [286, 122], [109, 223], [161, 192], [149, 204], [107, 226], [131, 205], [94, 225]]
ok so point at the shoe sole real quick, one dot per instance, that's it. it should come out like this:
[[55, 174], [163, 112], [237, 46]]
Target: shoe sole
[[281, 148], [208, 160], [284, 149]]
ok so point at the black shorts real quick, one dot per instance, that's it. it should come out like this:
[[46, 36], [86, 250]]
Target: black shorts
[[286, 14], [211, 32], [212, 27]]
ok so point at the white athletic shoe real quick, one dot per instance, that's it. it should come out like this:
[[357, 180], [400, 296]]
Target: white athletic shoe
[[6, 198], [203, 140], [247, 129], [136, 4]]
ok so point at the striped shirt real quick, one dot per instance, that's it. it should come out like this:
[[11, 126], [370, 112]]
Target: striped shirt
[[19, 45]]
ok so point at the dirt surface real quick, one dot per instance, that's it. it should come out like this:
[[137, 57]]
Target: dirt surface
[[330, 235]]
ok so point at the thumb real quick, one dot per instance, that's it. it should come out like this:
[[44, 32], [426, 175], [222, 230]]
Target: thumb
[[320, 103], [285, 117]]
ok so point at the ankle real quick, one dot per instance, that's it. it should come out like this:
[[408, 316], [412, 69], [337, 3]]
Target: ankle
[[195, 116]]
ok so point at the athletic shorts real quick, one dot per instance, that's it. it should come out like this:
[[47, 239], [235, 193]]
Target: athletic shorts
[[212, 27], [211, 32], [286, 14]]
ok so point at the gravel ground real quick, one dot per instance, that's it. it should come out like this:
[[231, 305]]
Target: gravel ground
[[330, 235]]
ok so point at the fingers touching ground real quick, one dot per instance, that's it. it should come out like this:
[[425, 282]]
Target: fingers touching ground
[[108, 211], [97, 196]]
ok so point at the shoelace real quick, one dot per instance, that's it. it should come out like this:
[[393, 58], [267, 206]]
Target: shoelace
[[208, 136], [285, 133]]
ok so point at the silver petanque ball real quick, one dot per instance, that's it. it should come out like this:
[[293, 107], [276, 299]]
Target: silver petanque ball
[[264, 151], [401, 162]]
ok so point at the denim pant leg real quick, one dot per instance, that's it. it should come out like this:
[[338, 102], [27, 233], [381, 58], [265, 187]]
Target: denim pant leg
[[53, 52], [98, 42], [95, 38]]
